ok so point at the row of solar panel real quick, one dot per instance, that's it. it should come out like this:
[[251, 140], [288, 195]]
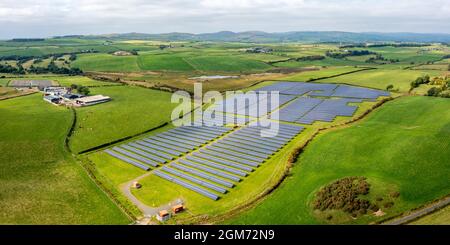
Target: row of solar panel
[[324, 89], [225, 162], [162, 148], [307, 110], [257, 107]]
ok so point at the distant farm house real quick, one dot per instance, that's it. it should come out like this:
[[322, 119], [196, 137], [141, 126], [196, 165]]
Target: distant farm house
[[259, 50], [122, 53], [40, 84]]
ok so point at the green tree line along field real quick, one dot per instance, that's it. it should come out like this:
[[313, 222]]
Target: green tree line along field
[[400, 147]]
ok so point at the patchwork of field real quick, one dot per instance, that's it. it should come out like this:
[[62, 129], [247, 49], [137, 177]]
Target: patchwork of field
[[400, 147], [40, 182], [396, 148]]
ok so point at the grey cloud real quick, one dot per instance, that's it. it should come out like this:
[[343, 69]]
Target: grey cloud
[[57, 17]]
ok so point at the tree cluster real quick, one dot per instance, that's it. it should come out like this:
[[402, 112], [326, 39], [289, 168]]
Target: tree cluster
[[344, 195], [441, 87], [80, 89], [346, 53], [310, 58]]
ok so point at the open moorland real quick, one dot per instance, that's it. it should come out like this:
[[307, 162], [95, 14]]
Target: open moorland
[[57, 163]]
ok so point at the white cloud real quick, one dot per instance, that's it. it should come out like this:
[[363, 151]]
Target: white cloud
[[51, 17]]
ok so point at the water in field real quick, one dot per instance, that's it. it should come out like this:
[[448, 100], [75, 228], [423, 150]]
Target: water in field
[[212, 77]]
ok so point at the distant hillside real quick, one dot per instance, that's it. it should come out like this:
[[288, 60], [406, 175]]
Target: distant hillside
[[305, 36]]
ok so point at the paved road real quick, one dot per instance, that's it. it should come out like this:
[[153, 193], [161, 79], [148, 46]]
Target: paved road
[[419, 213]]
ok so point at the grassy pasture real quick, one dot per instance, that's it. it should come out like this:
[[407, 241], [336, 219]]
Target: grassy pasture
[[440, 217], [162, 62], [131, 111], [325, 62], [227, 64], [395, 147], [326, 72], [39, 182], [381, 78], [106, 62]]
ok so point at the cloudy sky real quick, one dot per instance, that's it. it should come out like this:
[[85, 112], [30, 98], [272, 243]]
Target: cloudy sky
[[43, 18]]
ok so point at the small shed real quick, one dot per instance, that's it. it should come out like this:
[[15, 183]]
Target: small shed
[[136, 185], [177, 208], [163, 215]]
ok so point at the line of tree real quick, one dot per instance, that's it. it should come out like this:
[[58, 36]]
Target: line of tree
[[53, 68], [6, 68], [346, 53], [311, 58], [379, 57], [80, 89]]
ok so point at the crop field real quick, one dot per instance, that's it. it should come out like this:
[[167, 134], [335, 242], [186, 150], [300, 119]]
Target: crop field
[[132, 110], [420, 138], [40, 183]]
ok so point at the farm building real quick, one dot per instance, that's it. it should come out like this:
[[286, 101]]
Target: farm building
[[163, 215], [40, 84], [122, 53], [70, 96], [55, 91], [52, 99], [92, 100]]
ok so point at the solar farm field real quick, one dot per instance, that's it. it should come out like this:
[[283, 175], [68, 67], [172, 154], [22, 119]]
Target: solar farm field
[[229, 171], [132, 110], [420, 138], [40, 182]]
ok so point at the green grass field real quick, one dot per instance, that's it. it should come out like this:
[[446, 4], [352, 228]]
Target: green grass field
[[440, 217], [131, 111], [381, 78], [40, 183], [106, 62], [229, 63], [396, 148], [322, 73]]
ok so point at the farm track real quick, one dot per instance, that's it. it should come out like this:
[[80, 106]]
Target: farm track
[[420, 212]]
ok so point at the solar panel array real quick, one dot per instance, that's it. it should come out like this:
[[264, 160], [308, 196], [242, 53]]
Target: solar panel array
[[219, 166], [307, 110], [154, 151], [250, 107], [324, 89]]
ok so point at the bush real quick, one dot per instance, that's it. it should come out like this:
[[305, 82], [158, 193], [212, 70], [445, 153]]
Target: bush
[[389, 87], [344, 195], [434, 91]]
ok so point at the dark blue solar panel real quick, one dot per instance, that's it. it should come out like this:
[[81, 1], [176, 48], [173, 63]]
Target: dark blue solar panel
[[187, 185], [215, 165], [222, 161], [202, 175], [128, 160], [194, 179], [210, 170]]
